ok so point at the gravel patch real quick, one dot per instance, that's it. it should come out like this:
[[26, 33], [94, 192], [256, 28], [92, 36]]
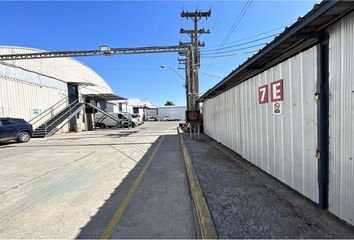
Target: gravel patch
[[245, 202]]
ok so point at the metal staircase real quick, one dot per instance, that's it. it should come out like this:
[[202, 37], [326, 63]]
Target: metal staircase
[[98, 123], [54, 118], [55, 123], [120, 122]]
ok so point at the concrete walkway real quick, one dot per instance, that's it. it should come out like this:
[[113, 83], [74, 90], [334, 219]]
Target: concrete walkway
[[70, 185], [161, 206]]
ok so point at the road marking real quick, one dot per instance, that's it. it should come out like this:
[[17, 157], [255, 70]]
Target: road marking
[[107, 233], [205, 222]]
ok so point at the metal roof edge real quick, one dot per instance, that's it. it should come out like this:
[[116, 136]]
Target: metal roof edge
[[318, 10], [69, 58]]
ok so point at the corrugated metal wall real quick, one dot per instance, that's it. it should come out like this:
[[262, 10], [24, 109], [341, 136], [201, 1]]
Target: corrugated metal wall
[[341, 119], [284, 145], [222, 121], [31, 78], [19, 99], [21, 92]]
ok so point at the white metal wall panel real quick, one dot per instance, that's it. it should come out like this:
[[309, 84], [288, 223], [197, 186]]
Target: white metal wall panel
[[224, 130], [30, 77], [22, 91], [341, 119], [19, 98], [285, 145], [171, 112]]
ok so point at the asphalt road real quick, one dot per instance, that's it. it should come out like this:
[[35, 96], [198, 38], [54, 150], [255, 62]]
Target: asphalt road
[[71, 185]]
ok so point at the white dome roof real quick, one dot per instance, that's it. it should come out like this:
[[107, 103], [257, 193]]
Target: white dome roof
[[63, 69]]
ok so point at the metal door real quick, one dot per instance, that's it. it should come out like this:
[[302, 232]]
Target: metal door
[[73, 95]]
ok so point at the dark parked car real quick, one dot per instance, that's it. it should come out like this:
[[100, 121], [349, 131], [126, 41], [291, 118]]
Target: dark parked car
[[15, 129]]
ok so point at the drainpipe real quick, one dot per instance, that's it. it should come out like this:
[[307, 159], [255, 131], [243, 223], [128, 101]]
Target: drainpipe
[[322, 96]]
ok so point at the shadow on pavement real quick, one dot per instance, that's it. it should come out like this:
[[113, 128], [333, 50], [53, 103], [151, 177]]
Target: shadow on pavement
[[112, 135], [9, 143], [78, 145], [86, 136], [97, 224]]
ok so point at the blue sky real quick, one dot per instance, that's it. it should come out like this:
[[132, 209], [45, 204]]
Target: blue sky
[[87, 25]]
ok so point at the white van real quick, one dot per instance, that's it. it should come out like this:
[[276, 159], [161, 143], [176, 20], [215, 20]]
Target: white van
[[103, 121]]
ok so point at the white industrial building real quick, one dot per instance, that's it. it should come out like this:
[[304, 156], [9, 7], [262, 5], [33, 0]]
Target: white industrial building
[[289, 109], [135, 106], [171, 113], [166, 113], [37, 90]]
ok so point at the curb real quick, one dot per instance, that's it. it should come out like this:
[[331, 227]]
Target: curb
[[205, 222]]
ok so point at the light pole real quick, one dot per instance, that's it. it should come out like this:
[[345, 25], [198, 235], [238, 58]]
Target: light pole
[[185, 85], [166, 66]]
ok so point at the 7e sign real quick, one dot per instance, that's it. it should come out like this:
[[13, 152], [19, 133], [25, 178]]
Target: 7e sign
[[276, 95]]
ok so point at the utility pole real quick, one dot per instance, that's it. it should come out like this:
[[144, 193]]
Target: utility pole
[[183, 61], [194, 54], [187, 67]]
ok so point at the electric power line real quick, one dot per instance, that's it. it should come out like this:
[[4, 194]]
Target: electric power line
[[234, 50], [229, 55], [213, 74], [240, 44], [252, 36], [239, 40], [211, 25], [236, 22]]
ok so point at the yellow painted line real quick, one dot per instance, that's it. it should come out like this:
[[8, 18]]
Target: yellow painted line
[[107, 233], [205, 222]]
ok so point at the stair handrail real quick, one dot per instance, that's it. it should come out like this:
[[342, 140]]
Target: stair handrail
[[119, 121], [51, 109], [102, 111], [75, 103], [61, 111], [101, 119]]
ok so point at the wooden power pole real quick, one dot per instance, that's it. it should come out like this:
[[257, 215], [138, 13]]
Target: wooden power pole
[[194, 55]]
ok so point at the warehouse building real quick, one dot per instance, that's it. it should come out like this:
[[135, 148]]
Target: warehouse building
[[135, 106], [289, 109], [172, 113], [166, 113], [51, 93]]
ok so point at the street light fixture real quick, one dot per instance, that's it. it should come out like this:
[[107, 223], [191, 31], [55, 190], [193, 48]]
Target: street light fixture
[[189, 88], [166, 66]]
